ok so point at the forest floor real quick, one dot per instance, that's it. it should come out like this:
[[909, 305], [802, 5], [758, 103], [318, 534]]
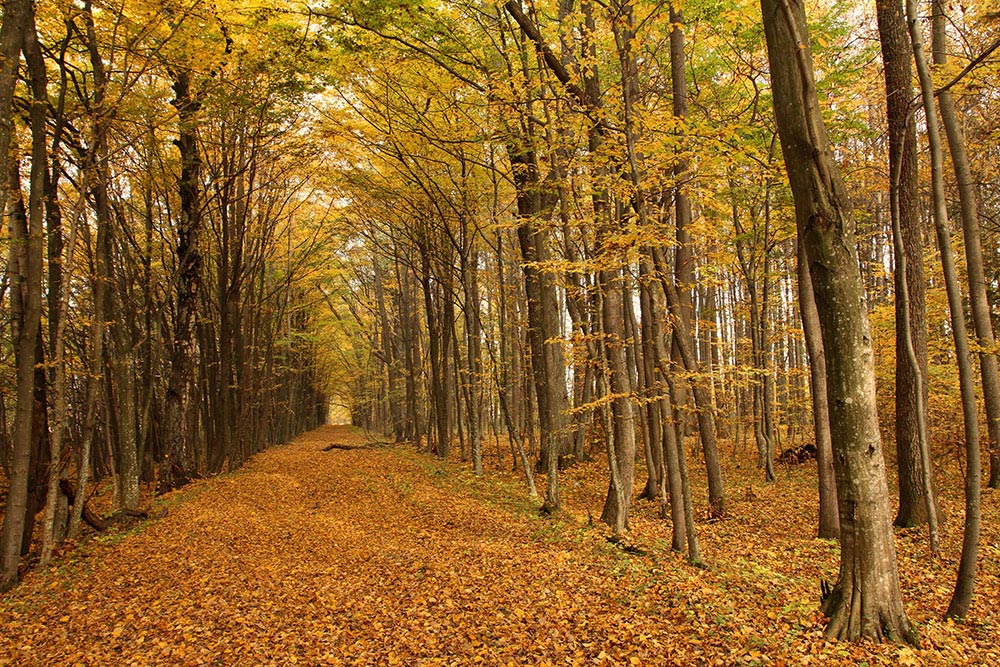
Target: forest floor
[[389, 557]]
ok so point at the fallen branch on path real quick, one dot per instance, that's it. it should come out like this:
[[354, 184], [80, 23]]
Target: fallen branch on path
[[370, 445]]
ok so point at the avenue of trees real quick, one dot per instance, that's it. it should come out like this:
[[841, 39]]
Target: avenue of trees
[[525, 234], [160, 237]]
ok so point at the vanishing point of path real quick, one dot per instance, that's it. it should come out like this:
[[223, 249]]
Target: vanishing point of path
[[362, 557]]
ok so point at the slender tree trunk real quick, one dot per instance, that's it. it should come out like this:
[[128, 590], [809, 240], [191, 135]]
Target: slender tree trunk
[[473, 334], [684, 276], [655, 469], [437, 406], [507, 366], [672, 450], [962, 596], [386, 340], [693, 548], [57, 300], [546, 358], [896, 56], [684, 345], [758, 336], [765, 348], [60, 408], [829, 516], [989, 367], [622, 454], [913, 449], [409, 340]]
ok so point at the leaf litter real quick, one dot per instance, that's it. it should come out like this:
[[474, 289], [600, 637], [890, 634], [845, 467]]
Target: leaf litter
[[385, 556]]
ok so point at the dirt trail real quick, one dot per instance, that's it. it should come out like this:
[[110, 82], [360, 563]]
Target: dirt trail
[[312, 557]]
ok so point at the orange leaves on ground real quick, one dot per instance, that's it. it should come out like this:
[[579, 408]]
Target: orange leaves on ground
[[389, 557]]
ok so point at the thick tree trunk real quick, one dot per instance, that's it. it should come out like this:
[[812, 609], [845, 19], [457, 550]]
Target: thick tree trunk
[[15, 13], [25, 266], [616, 506], [547, 363], [866, 600], [177, 448], [25, 319]]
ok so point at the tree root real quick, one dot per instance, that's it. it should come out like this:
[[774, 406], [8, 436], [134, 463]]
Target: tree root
[[850, 622]]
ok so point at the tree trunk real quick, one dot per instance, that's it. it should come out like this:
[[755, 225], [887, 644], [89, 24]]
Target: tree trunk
[[684, 345], [896, 56], [684, 280], [650, 411], [866, 600], [50, 533], [15, 13], [675, 482], [26, 241], [438, 361], [622, 454], [829, 517], [970, 543], [177, 448], [543, 312], [473, 335]]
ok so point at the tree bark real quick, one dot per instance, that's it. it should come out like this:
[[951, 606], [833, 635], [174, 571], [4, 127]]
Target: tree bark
[[177, 448], [473, 335], [543, 312], [684, 346], [829, 517], [684, 280], [622, 453], [18, 34], [866, 600], [677, 484], [962, 596], [896, 57]]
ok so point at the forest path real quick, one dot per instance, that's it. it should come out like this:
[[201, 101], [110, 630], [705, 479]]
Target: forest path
[[386, 556], [339, 557]]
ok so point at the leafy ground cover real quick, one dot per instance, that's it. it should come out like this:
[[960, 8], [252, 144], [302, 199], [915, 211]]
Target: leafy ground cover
[[388, 557]]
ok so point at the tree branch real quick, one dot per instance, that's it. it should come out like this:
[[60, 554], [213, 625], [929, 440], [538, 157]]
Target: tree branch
[[968, 68]]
